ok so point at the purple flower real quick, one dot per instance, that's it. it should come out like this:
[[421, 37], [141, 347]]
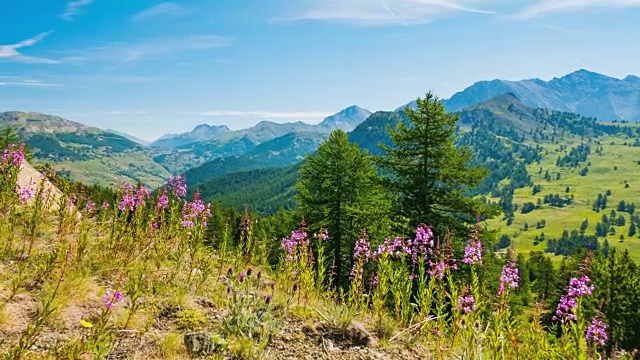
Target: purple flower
[[27, 193], [362, 248], [577, 288], [163, 201], [298, 240], [295, 286], [229, 287], [597, 332], [109, 300], [322, 236], [509, 278], [466, 303], [13, 155], [249, 271], [241, 276], [473, 252], [90, 206], [194, 211], [178, 186], [267, 299], [105, 205]]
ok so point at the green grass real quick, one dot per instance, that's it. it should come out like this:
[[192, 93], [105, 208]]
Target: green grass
[[600, 178], [131, 167]]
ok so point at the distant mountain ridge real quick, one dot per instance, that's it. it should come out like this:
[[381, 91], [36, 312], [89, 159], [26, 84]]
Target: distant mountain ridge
[[201, 132], [346, 119], [582, 92]]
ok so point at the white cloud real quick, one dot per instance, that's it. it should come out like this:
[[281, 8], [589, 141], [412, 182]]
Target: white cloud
[[162, 9], [385, 12], [10, 52], [300, 115], [541, 7], [124, 53], [28, 82], [73, 8]]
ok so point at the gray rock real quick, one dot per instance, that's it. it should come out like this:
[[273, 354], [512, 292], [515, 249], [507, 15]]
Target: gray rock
[[201, 343]]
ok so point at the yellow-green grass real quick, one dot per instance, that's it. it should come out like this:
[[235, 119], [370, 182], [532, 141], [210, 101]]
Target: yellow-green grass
[[601, 177], [104, 170]]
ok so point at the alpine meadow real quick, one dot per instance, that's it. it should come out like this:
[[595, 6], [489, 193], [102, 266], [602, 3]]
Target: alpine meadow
[[497, 222]]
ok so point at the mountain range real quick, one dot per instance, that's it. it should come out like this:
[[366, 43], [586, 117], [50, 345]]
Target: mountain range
[[208, 152], [582, 92]]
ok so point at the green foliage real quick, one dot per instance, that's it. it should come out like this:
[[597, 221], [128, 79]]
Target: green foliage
[[338, 190], [428, 173], [191, 319]]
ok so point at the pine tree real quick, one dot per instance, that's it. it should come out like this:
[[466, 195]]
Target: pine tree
[[429, 174], [339, 190]]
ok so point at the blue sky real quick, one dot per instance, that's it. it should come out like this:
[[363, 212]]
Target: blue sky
[[150, 67]]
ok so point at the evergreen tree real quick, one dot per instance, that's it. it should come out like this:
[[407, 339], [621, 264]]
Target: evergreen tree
[[429, 174], [632, 229], [339, 190]]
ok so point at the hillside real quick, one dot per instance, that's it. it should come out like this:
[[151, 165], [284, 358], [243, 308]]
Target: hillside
[[285, 150], [83, 153], [581, 92]]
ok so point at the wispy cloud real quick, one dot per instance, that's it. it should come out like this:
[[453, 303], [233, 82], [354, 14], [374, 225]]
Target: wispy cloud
[[26, 82], [300, 115], [162, 9], [127, 53], [10, 52], [73, 8], [384, 12], [541, 7]]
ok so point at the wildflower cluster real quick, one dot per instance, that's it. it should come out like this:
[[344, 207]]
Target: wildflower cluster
[[578, 287], [194, 211], [473, 252], [466, 303], [361, 254], [109, 299], [509, 278], [13, 155], [163, 200], [297, 240], [178, 186], [597, 332], [132, 198]]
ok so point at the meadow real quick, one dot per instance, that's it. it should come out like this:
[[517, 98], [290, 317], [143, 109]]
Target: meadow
[[143, 276]]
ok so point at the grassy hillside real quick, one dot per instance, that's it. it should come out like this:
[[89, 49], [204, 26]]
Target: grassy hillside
[[616, 169], [83, 153]]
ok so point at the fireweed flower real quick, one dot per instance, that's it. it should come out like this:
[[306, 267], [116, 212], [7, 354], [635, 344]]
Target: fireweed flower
[[597, 332], [90, 206], [178, 186], [13, 155], [473, 250], [421, 245], [163, 201], [509, 278], [27, 193], [109, 300], [361, 255], [323, 235], [466, 303], [105, 205], [297, 239], [192, 211], [578, 287]]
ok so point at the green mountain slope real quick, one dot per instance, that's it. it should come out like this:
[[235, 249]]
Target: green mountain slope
[[285, 150], [83, 153]]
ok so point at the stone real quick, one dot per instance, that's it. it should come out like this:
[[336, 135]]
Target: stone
[[358, 334], [200, 343]]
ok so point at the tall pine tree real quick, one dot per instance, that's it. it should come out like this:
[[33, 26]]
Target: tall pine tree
[[339, 190], [429, 173]]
